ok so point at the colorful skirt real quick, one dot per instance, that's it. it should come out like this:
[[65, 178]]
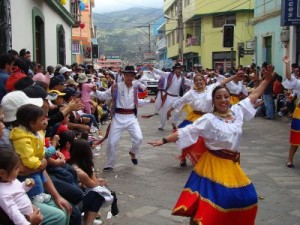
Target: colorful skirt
[[218, 192], [295, 128], [193, 152]]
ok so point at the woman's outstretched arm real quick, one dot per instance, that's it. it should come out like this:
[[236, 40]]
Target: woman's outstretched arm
[[257, 92]]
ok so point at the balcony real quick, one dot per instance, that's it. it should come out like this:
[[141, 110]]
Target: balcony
[[75, 12], [192, 41], [161, 44]]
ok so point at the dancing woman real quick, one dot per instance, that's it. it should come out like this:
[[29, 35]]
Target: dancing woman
[[196, 102], [236, 88], [293, 83], [218, 192]]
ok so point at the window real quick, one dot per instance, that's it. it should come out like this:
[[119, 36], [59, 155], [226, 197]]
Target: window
[[268, 49], [219, 21], [38, 36], [186, 3], [61, 45]]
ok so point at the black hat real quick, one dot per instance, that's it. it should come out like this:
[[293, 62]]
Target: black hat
[[70, 92], [36, 91], [177, 65], [56, 80], [129, 69]]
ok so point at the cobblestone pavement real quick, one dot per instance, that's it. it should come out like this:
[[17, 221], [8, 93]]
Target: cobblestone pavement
[[147, 192]]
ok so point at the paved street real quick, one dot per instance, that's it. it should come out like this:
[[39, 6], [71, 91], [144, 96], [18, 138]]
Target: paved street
[[147, 192]]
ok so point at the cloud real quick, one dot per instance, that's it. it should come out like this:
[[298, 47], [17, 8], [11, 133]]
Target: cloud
[[102, 6]]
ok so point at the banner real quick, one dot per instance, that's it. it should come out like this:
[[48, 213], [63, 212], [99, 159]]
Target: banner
[[290, 14]]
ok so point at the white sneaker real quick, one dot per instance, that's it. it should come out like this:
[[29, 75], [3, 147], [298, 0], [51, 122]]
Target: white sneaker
[[97, 222]]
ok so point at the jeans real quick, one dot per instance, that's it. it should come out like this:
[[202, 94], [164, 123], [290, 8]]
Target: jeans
[[269, 104], [92, 120]]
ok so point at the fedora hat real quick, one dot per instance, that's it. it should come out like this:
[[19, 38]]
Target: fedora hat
[[177, 65], [129, 69]]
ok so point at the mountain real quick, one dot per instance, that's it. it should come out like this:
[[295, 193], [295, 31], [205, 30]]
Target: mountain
[[126, 33], [125, 19]]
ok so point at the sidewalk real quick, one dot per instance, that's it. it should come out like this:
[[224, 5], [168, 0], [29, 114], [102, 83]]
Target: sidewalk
[[147, 192]]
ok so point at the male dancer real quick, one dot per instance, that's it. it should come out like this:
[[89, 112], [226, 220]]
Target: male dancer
[[174, 87], [124, 96]]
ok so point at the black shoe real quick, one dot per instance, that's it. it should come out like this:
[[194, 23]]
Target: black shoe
[[114, 205], [290, 165], [107, 169], [183, 163], [133, 160]]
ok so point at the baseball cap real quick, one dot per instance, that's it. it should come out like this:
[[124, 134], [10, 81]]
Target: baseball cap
[[64, 70], [41, 77], [69, 92], [36, 91], [57, 92], [13, 100], [56, 80]]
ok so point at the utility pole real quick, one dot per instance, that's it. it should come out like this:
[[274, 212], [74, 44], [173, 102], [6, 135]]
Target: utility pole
[[180, 31], [149, 38]]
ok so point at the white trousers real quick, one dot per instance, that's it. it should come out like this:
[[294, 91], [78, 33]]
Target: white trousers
[[119, 123], [170, 100]]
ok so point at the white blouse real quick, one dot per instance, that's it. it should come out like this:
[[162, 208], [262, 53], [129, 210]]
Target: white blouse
[[217, 133], [293, 84], [198, 101], [237, 88]]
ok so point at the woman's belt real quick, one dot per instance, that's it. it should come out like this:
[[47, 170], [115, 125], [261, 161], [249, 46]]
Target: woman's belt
[[171, 95], [200, 113], [125, 111], [226, 154]]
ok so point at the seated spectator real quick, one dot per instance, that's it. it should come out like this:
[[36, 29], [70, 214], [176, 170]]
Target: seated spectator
[[13, 199]]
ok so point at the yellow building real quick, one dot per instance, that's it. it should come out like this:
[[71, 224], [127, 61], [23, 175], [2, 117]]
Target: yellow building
[[202, 33]]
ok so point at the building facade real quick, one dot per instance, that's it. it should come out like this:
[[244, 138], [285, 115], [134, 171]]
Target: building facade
[[83, 34], [202, 32], [267, 32], [44, 28]]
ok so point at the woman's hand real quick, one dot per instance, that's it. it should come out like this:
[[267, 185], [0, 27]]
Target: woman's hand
[[156, 143], [63, 203], [102, 182]]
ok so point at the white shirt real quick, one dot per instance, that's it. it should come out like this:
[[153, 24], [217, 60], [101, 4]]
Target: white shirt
[[125, 96], [176, 82], [293, 84], [237, 88], [15, 202], [217, 133]]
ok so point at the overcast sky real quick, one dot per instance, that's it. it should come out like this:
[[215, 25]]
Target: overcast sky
[[103, 6]]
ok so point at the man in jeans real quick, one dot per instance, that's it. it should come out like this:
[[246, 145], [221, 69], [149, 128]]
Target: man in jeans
[[268, 95]]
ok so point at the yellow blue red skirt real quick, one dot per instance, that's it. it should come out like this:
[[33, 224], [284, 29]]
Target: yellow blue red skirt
[[193, 152], [295, 127], [218, 192]]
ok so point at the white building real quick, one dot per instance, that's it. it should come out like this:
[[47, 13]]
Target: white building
[[44, 27]]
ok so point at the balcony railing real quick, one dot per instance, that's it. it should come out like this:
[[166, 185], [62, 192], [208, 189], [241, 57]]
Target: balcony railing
[[75, 12], [192, 41]]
